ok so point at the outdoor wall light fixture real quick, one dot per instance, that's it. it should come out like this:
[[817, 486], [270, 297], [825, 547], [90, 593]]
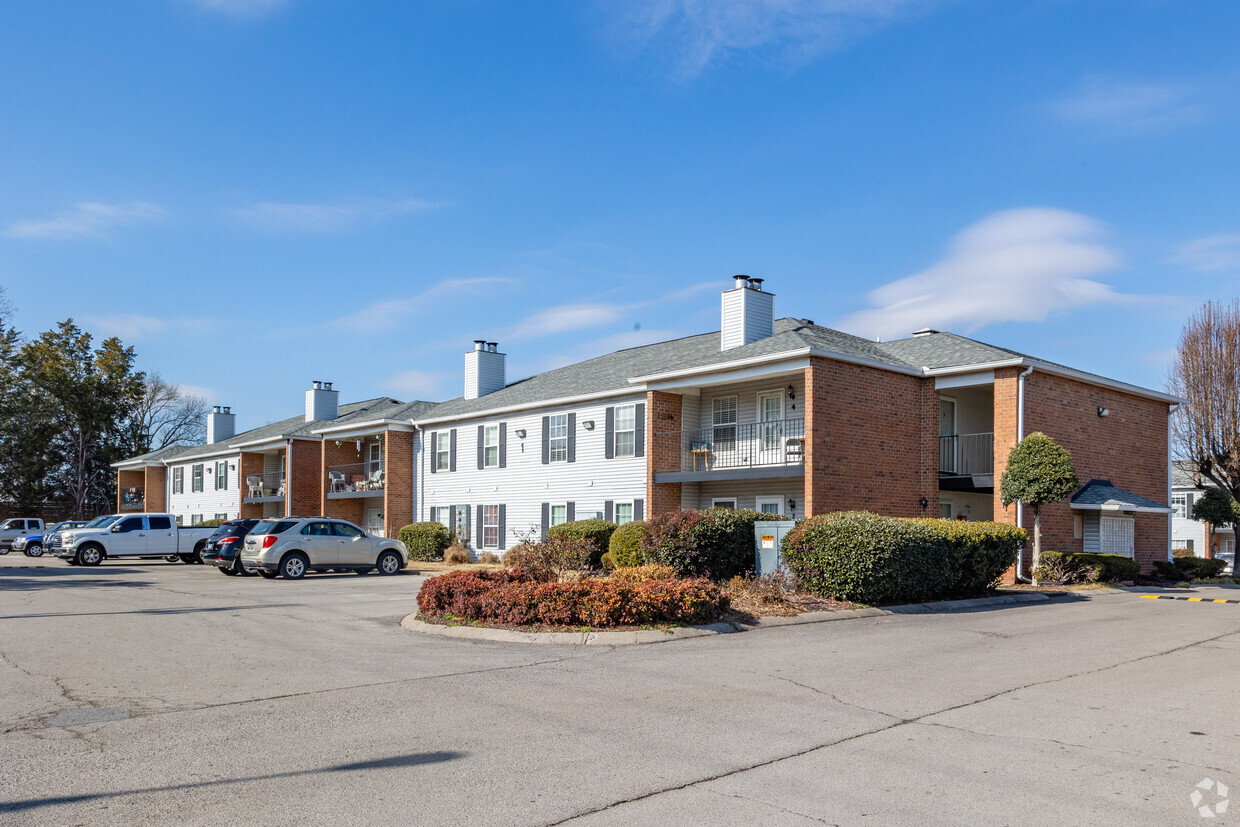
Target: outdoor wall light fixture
[[337, 443], [520, 432], [1103, 411], [588, 424], [792, 504], [924, 502], [792, 392]]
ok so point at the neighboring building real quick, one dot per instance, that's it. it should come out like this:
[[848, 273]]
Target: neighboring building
[[784, 416], [1201, 538]]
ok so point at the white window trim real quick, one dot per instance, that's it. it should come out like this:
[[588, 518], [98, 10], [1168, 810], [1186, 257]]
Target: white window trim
[[551, 440], [486, 433], [632, 448], [615, 506], [715, 501], [485, 525], [779, 503], [447, 452], [551, 507]]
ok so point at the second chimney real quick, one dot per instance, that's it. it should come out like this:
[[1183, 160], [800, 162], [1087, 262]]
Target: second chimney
[[221, 425], [748, 313], [322, 402], [485, 370]]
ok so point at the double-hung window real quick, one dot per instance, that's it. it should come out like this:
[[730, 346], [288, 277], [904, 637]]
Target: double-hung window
[[723, 412], [557, 438], [197, 479], [624, 513], [178, 480], [195, 519], [490, 447], [442, 514], [626, 430], [221, 476], [443, 450], [490, 526], [1179, 505], [559, 514]]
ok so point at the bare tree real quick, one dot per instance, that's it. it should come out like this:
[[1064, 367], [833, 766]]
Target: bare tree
[[167, 416], [1206, 373]]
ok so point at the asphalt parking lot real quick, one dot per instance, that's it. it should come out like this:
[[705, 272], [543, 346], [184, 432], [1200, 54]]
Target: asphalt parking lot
[[156, 693]]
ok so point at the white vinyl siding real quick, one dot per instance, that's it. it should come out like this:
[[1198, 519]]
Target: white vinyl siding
[[524, 484], [183, 500], [1185, 529], [746, 493], [747, 404]]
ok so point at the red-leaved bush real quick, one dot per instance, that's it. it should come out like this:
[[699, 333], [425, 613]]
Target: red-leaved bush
[[513, 597]]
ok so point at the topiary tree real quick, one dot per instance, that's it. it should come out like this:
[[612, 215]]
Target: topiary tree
[[426, 541], [1039, 471], [625, 547], [1217, 507]]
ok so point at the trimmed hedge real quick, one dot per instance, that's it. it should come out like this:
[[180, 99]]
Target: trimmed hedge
[[426, 541], [625, 547], [596, 532], [867, 558], [1108, 567], [1190, 568], [512, 597], [717, 543], [212, 523]]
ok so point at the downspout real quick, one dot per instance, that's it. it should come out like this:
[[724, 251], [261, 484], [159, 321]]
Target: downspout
[[1208, 549], [288, 479], [417, 469], [1020, 434]]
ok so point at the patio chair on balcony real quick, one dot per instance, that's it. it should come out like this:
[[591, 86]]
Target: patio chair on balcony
[[254, 484], [280, 490], [375, 483], [337, 479], [794, 449]]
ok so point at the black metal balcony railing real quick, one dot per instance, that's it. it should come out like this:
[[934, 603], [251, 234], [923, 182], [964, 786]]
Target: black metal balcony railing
[[749, 445], [270, 484], [359, 476], [967, 454]]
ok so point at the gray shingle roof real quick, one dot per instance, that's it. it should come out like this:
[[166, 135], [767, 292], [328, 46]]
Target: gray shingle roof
[[1098, 492], [945, 350]]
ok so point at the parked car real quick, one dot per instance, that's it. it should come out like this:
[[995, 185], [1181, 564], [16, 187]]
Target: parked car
[[291, 546], [223, 548], [32, 544], [132, 535], [16, 527]]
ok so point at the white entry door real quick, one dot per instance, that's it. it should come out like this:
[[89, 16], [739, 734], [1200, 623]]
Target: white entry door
[[1117, 535], [771, 415], [372, 520]]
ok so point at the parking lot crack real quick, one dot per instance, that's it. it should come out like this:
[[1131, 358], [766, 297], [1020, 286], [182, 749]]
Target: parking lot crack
[[835, 698], [769, 805]]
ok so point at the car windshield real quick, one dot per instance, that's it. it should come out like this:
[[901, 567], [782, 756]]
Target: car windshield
[[61, 526], [272, 527], [102, 522], [11, 524]]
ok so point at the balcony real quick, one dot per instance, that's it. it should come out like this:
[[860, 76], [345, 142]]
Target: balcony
[[754, 450], [967, 461], [264, 488], [359, 479], [133, 499]]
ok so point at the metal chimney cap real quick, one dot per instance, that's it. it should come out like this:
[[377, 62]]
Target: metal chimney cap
[[756, 284], [741, 280]]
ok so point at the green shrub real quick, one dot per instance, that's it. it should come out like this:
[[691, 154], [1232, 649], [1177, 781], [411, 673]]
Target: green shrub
[[1104, 567], [594, 531], [1168, 571], [866, 558], [426, 541], [716, 543], [625, 546], [212, 523], [1190, 568], [1061, 568]]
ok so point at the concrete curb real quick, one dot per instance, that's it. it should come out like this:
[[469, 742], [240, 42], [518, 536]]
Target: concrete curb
[[629, 638]]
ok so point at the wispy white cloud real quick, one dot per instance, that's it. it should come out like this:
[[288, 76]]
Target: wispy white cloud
[[1017, 265], [87, 220], [340, 217], [415, 384], [208, 395], [383, 316], [695, 34], [133, 327], [241, 8], [1130, 105], [566, 317], [1210, 254]]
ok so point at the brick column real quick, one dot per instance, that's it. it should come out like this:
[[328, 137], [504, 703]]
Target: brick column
[[303, 491], [398, 481], [128, 478], [662, 452], [251, 464], [156, 488], [1006, 420]]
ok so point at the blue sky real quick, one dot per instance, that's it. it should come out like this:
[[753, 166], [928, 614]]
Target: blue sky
[[258, 193]]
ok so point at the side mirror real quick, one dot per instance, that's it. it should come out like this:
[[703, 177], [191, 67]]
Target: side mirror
[[116, 529]]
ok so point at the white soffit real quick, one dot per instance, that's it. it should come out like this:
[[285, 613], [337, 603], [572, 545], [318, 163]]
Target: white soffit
[[964, 380]]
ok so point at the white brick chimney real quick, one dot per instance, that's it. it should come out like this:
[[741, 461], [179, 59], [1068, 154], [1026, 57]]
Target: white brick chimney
[[322, 402], [485, 370], [748, 313], [221, 424]]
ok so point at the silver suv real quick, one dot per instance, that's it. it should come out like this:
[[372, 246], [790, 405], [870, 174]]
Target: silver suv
[[291, 546]]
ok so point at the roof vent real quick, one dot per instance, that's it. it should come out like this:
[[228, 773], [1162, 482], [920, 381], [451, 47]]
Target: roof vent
[[925, 331]]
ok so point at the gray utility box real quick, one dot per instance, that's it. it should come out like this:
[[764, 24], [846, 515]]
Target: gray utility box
[[767, 537]]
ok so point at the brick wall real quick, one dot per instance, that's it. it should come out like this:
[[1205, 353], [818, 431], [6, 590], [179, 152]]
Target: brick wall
[[251, 465], [1128, 447], [662, 415], [127, 478], [871, 441], [398, 481], [156, 488], [304, 475]]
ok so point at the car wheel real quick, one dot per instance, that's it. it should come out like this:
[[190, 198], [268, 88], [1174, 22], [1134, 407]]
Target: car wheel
[[389, 562], [90, 555], [267, 575], [3, 551], [34, 551], [294, 565]]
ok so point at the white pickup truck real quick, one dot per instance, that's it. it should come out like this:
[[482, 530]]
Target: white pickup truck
[[10, 530], [131, 535]]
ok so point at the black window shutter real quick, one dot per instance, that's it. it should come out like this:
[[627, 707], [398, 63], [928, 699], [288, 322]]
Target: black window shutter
[[546, 518], [639, 430], [465, 523], [572, 437], [609, 444], [434, 440], [609, 510], [503, 523], [546, 436], [481, 439], [478, 538], [452, 450], [570, 511], [639, 509], [1188, 504], [503, 446], [1190, 545]]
